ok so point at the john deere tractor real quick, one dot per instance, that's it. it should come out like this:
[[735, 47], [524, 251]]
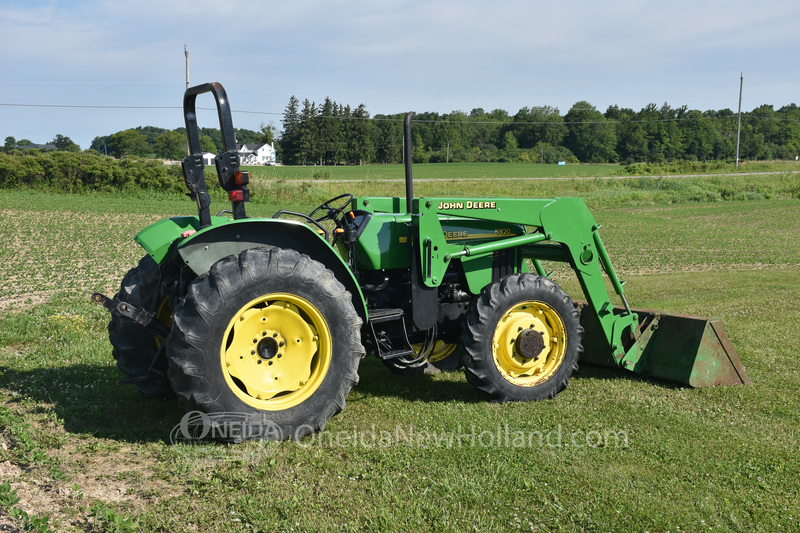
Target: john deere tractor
[[268, 318]]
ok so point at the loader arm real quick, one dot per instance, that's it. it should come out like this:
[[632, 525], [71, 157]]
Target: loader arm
[[564, 222]]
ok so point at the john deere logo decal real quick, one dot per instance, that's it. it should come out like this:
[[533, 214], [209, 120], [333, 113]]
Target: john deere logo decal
[[467, 205]]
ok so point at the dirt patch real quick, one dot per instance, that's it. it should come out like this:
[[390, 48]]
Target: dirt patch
[[7, 525], [25, 301], [117, 476], [9, 470]]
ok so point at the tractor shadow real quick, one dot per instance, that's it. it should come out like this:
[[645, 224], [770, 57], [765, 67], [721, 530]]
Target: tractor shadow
[[87, 400], [376, 379], [592, 372]]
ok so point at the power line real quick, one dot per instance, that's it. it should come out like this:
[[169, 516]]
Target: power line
[[6, 82], [65, 106]]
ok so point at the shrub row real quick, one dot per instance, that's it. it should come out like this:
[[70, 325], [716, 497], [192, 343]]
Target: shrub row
[[676, 168], [85, 172]]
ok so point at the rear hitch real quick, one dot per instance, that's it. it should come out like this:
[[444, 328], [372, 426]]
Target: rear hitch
[[142, 317]]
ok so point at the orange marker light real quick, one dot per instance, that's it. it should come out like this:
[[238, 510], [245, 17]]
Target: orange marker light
[[241, 177]]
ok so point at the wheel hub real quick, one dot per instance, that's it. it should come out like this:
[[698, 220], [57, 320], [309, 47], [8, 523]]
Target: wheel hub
[[270, 346], [530, 344]]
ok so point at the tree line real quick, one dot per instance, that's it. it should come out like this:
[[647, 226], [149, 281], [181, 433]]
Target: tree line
[[149, 141], [60, 142], [331, 133], [335, 134]]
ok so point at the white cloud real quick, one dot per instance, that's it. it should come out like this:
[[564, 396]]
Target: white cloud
[[433, 55]]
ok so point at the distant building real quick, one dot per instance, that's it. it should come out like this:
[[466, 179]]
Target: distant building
[[256, 154], [38, 146], [249, 155]]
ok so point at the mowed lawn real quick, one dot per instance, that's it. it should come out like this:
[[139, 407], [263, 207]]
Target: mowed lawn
[[415, 453]]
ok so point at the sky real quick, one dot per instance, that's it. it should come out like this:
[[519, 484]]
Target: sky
[[88, 68]]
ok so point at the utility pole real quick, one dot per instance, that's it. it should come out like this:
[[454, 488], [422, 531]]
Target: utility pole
[[739, 127], [186, 53]]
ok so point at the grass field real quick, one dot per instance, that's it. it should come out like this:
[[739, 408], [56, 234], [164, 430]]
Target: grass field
[[483, 171], [423, 453]]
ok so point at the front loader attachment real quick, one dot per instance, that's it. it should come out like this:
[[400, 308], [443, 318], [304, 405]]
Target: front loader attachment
[[689, 350]]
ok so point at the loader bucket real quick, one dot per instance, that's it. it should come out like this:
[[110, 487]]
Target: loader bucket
[[689, 350]]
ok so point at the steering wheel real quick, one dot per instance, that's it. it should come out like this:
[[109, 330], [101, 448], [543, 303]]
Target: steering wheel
[[332, 211]]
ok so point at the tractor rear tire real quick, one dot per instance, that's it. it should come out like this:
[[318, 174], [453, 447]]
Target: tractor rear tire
[[267, 344], [134, 347], [522, 339]]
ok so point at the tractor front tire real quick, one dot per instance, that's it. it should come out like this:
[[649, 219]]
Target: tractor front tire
[[134, 347], [522, 339], [267, 344]]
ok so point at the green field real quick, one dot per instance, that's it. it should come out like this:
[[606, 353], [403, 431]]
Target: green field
[[435, 171], [420, 453]]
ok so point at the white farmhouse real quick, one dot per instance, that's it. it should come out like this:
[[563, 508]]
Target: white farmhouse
[[249, 154], [256, 154]]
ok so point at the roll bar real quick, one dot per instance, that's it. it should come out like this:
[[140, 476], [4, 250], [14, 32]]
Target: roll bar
[[231, 179]]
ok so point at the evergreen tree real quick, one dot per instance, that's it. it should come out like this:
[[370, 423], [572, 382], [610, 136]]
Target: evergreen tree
[[365, 134], [290, 139], [306, 149], [327, 133], [389, 138]]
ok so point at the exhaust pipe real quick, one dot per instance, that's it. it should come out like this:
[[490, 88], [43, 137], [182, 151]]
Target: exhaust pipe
[[407, 154]]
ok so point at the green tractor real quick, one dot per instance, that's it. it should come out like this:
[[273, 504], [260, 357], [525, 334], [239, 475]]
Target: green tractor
[[266, 319]]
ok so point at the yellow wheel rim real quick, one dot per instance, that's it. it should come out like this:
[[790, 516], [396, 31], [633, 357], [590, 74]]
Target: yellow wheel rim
[[441, 351], [276, 351], [529, 344]]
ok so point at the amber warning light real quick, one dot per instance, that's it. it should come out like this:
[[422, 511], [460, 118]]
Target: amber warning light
[[241, 178]]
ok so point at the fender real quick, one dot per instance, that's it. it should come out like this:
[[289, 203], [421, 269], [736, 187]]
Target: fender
[[158, 239], [231, 237]]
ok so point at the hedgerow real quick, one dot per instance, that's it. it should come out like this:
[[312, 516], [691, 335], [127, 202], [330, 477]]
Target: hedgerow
[[56, 171]]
